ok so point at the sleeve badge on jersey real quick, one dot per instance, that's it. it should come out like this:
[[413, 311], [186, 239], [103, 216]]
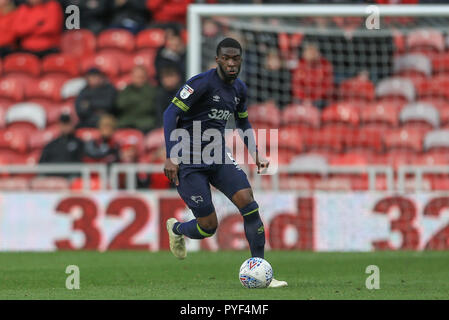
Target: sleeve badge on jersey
[[186, 92]]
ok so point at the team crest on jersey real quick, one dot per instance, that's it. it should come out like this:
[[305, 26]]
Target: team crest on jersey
[[186, 91], [197, 199], [216, 98], [237, 100]]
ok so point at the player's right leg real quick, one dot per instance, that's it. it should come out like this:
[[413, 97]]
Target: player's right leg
[[194, 189]]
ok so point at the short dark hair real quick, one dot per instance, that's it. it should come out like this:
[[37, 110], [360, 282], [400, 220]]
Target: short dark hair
[[229, 43]]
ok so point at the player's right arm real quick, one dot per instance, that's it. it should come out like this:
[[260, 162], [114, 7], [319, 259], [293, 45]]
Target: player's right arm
[[179, 106]]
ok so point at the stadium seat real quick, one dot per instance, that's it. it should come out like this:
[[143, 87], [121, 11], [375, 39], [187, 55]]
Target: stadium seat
[[129, 137], [437, 139], [26, 112], [144, 57], [434, 87], [264, 116], [364, 139], [77, 184], [425, 41], [440, 63], [119, 39], [11, 88], [41, 138], [340, 113], [382, 114], [87, 134], [422, 116], [108, 62], [431, 158], [60, 63], [290, 139], [15, 141], [47, 87], [403, 139], [299, 115], [22, 63], [49, 184], [78, 43], [358, 88], [328, 138], [396, 158], [154, 139], [72, 87], [416, 67], [150, 38], [396, 88]]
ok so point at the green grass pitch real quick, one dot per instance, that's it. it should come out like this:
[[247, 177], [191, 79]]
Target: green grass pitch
[[214, 275]]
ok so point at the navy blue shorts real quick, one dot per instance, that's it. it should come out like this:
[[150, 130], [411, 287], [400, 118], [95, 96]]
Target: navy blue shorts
[[195, 181]]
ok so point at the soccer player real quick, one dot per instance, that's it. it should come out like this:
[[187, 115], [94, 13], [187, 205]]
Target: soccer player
[[210, 98]]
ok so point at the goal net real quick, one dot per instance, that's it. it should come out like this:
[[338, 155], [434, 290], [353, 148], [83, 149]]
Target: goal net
[[358, 86]]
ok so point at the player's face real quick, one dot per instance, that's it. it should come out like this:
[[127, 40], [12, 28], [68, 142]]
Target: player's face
[[229, 61]]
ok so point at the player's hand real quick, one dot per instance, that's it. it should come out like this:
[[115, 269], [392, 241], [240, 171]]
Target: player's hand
[[262, 164], [171, 171]]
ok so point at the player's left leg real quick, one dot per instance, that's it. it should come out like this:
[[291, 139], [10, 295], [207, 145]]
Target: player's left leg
[[232, 181]]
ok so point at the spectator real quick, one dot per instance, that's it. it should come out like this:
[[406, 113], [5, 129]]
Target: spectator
[[135, 104], [67, 148], [96, 99], [38, 26], [129, 154], [173, 52], [104, 149], [129, 14], [7, 36], [273, 81], [170, 83], [94, 14], [313, 78], [164, 11]]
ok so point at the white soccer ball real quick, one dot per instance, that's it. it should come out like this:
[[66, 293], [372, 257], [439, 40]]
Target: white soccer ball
[[256, 273]]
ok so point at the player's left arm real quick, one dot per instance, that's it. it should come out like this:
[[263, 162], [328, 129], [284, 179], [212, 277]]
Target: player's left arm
[[242, 122]]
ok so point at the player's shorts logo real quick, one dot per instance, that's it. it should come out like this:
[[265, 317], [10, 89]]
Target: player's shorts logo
[[197, 199], [186, 91]]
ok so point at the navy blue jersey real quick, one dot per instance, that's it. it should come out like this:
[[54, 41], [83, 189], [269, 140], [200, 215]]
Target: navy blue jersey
[[208, 99]]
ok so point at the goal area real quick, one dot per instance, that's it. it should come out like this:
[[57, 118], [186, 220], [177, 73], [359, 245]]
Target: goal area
[[359, 93]]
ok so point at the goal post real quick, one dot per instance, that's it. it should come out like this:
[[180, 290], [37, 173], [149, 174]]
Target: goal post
[[198, 11]]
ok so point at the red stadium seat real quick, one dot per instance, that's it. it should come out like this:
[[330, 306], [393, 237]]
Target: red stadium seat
[[435, 87], [328, 139], [143, 57], [41, 138], [116, 39], [396, 158], [440, 63], [403, 139], [359, 88], [11, 88], [364, 139], [380, 113], [78, 43], [77, 184], [14, 184], [264, 116], [22, 63], [13, 140], [108, 62], [341, 113], [425, 41], [87, 134], [299, 115], [154, 139], [129, 137], [47, 87], [60, 63], [290, 139], [432, 158], [150, 38]]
